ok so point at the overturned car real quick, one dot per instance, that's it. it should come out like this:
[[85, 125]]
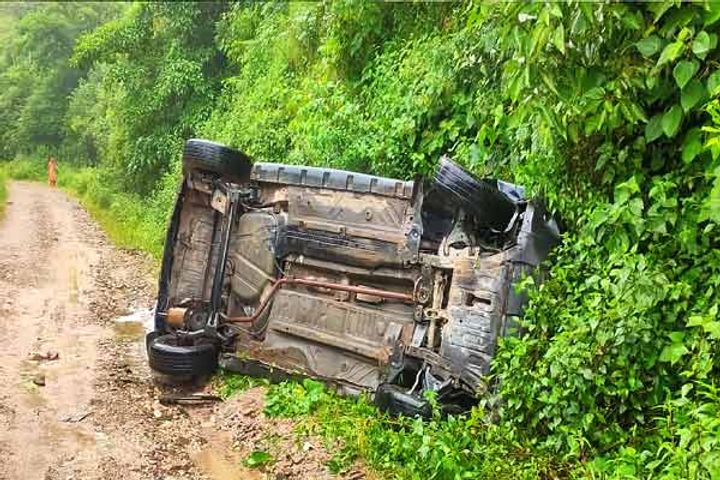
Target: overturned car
[[368, 283]]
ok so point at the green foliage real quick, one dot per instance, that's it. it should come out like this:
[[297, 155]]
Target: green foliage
[[290, 399], [35, 75], [610, 111], [622, 331], [156, 74], [258, 458], [465, 446], [24, 169], [228, 384], [417, 95]]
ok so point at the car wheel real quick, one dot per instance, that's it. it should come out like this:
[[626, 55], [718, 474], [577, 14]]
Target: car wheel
[[480, 198], [207, 156], [169, 355]]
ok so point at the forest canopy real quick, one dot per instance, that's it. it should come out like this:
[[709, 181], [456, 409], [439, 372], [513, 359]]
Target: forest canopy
[[608, 111]]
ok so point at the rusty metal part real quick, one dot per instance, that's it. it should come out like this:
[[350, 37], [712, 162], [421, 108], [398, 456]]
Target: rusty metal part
[[372, 299], [318, 284], [438, 296], [176, 317], [421, 290], [393, 274]]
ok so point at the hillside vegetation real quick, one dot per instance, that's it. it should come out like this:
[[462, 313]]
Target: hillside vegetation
[[610, 112]]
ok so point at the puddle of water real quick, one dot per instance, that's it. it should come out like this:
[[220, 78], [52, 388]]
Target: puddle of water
[[129, 330], [135, 325]]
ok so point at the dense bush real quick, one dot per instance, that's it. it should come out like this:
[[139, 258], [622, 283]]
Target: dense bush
[[154, 75], [36, 76], [608, 111], [445, 448]]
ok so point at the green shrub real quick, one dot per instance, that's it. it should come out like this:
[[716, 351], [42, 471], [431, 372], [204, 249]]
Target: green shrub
[[25, 169], [609, 111], [465, 446]]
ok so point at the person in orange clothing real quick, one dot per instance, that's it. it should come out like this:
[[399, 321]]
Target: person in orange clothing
[[52, 171]]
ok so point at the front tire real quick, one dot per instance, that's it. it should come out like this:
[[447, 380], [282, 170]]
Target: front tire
[[170, 355], [480, 198]]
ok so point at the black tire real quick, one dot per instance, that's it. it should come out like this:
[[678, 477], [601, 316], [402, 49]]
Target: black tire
[[167, 356], [481, 198], [207, 156]]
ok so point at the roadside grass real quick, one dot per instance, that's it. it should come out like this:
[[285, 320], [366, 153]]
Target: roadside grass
[[24, 169], [227, 384], [131, 221], [443, 447]]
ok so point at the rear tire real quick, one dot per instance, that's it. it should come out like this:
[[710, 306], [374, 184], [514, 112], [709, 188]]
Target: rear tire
[[480, 198], [168, 356], [212, 157]]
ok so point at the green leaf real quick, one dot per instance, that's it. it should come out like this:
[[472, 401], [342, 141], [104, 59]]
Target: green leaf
[[692, 145], [671, 121], [258, 458], [638, 112], [692, 94], [708, 324], [558, 38], [670, 53], [713, 83], [712, 12], [625, 190], [649, 46], [713, 329], [711, 205], [684, 71], [713, 41], [653, 129], [659, 8], [701, 44], [673, 352]]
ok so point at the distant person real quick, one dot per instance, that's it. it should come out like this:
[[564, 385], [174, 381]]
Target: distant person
[[52, 171]]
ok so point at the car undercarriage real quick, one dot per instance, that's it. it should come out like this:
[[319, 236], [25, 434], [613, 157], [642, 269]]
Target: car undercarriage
[[367, 283]]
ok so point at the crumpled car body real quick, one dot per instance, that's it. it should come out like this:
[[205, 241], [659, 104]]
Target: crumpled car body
[[367, 283]]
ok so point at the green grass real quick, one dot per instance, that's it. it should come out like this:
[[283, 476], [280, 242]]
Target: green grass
[[455, 447], [24, 169]]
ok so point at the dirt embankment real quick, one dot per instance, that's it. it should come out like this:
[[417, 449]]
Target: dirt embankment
[[76, 398]]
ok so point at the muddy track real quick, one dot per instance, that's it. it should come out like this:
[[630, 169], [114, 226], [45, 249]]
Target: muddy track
[[93, 412], [90, 413]]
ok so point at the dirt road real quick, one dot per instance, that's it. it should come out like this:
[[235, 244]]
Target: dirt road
[[89, 413], [77, 400]]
